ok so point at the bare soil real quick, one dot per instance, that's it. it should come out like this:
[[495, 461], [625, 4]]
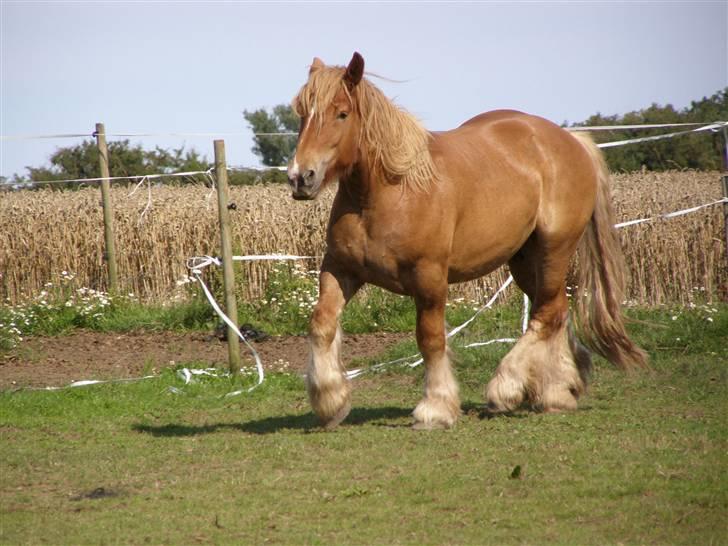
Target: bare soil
[[58, 361]]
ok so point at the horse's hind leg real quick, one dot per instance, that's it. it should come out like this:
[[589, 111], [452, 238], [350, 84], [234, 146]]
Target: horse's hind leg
[[548, 365], [326, 382]]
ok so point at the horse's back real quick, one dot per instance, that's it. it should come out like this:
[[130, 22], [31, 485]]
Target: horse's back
[[510, 174]]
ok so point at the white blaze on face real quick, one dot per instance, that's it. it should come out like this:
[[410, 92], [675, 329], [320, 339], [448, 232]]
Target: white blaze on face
[[294, 170]]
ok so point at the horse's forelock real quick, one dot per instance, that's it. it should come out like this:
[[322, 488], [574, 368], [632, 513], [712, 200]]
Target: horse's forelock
[[319, 91]]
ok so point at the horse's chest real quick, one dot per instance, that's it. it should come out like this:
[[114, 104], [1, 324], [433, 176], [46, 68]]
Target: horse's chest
[[367, 249]]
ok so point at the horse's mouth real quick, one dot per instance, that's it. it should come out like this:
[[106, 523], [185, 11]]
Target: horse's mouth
[[298, 196]]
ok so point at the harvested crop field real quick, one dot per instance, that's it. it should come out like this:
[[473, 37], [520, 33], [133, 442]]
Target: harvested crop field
[[55, 231]]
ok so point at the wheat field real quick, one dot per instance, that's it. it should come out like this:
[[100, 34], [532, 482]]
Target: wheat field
[[47, 233]]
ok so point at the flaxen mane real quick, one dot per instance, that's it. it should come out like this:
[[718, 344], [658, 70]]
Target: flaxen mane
[[397, 145]]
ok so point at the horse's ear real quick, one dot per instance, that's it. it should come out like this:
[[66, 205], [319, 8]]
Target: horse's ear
[[315, 65], [354, 71]]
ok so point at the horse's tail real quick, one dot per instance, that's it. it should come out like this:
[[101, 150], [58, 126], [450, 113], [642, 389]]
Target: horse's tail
[[602, 277]]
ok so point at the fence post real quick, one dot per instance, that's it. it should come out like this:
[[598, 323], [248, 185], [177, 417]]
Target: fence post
[[725, 211], [228, 275], [110, 248], [724, 183]]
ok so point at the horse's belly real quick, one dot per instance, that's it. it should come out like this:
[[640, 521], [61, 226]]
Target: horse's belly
[[486, 245], [462, 269], [458, 274]]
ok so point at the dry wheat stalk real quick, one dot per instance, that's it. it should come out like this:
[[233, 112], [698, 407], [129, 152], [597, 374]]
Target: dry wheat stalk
[[48, 232]]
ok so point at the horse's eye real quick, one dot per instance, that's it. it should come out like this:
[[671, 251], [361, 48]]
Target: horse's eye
[[342, 115]]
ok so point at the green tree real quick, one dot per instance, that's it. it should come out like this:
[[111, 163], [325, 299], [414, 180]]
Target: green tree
[[82, 161], [273, 150], [701, 151]]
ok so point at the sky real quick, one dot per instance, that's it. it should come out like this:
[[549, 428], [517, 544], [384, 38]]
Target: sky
[[193, 67]]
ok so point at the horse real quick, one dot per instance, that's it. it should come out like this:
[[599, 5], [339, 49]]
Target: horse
[[415, 211]]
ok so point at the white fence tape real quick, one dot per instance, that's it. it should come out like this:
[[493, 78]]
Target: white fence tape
[[141, 177], [591, 128], [714, 127], [488, 305], [87, 382], [526, 307], [273, 257], [359, 371], [198, 263], [41, 137], [490, 342], [258, 364], [670, 214]]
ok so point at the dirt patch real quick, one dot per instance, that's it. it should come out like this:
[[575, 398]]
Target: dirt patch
[[58, 361]]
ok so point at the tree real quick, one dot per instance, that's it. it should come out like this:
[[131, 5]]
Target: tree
[[699, 151], [273, 150], [82, 161]]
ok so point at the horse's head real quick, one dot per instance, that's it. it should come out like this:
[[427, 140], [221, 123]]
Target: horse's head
[[328, 139]]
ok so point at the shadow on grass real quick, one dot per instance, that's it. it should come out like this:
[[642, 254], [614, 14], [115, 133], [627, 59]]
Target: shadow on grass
[[308, 423], [305, 423]]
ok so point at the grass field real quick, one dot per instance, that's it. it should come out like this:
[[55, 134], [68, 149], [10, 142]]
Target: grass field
[[643, 461]]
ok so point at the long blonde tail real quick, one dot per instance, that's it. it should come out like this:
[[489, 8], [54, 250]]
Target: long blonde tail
[[602, 278]]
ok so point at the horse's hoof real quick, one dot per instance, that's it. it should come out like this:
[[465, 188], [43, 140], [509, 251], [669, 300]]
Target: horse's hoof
[[493, 409], [504, 394], [435, 413], [420, 425], [338, 417]]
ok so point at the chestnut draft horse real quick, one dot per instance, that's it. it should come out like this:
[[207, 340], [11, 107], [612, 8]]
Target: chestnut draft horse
[[416, 210]]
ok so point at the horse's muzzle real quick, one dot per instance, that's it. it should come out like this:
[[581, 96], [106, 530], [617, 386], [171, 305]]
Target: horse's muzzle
[[298, 196], [303, 186]]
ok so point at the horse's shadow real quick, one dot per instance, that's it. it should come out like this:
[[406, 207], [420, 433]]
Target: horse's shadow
[[306, 423]]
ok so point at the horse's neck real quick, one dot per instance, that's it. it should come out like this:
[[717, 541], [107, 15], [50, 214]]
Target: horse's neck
[[357, 186]]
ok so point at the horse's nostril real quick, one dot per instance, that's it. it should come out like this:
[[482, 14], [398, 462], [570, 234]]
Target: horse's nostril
[[295, 181], [308, 174]]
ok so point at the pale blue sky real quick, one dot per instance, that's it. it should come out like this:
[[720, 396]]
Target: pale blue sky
[[194, 66]]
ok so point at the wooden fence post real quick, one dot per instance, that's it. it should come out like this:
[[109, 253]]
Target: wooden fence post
[[231, 307], [724, 183], [110, 248]]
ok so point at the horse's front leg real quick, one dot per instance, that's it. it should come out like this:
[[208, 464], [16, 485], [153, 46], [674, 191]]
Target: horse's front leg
[[326, 382], [440, 406]]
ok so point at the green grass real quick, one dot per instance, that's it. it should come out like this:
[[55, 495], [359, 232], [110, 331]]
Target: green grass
[[642, 461], [59, 315], [285, 309]]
